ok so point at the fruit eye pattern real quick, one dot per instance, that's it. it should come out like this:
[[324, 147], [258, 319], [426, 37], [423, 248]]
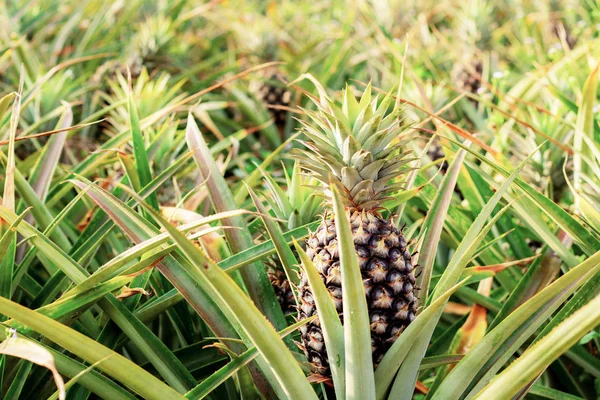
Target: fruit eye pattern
[[388, 275]]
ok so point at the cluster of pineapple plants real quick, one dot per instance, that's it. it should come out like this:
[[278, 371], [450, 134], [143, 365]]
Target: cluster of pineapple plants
[[299, 200]]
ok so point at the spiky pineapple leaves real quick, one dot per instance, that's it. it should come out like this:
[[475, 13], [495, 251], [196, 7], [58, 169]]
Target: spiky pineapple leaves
[[286, 256], [583, 237], [434, 223], [247, 315], [172, 267], [255, 278], [584, 130], [538, 357], [407, 374], [70, 304], [479, 366], [586, 163], [188, 279], [115, 365], [220, 376], [142, 164], [155, 350]]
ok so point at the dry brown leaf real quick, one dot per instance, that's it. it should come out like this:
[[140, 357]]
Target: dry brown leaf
[[35, 353], [128, 292]]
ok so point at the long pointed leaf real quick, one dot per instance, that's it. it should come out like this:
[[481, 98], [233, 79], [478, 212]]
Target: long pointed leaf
[[360, 380], [538, 357], [115, 365], [333, 331], [255, 277], [261, 332]]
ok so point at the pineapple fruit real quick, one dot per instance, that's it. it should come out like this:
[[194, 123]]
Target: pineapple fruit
[[435, 152], [282, 287], [468, 77], [360, 148], [298, 206], [276, 97]]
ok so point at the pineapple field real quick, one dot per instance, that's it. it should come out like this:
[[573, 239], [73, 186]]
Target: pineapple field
[[233, 199]]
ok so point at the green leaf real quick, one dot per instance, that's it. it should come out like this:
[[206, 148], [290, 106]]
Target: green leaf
[[177, 271], [149, 344], [434, 224], [255, 277], [439, 361], [360, 380], [7, 253], [115, 365], [286, 256], [266, 248], [41, 177], [119, 265], [40, 211], [387, 369], [484, 360], [549, 393], [538, 357], [7, 262], [4, 103], [333, 331], [220, 376], [68, 305], [538, 275], [591, 213], [139, 150], [261, 333], [589, 337], [584, 128]]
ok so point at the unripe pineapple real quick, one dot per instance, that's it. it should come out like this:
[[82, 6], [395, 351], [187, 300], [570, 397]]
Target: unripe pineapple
[[359, 148], [468, 77], [435, 152], [282, 287], [276, 96]]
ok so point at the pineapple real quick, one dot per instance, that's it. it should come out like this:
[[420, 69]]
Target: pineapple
[[281, 286], [359, 148], [298, 206], [468, 77], [435, 152], [276, 97]]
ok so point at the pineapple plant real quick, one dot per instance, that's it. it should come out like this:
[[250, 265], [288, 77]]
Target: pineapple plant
[[276, 97], [297, 205], [359, 148]]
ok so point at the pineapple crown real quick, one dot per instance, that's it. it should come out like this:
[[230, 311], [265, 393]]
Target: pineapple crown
[[359, 146]]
